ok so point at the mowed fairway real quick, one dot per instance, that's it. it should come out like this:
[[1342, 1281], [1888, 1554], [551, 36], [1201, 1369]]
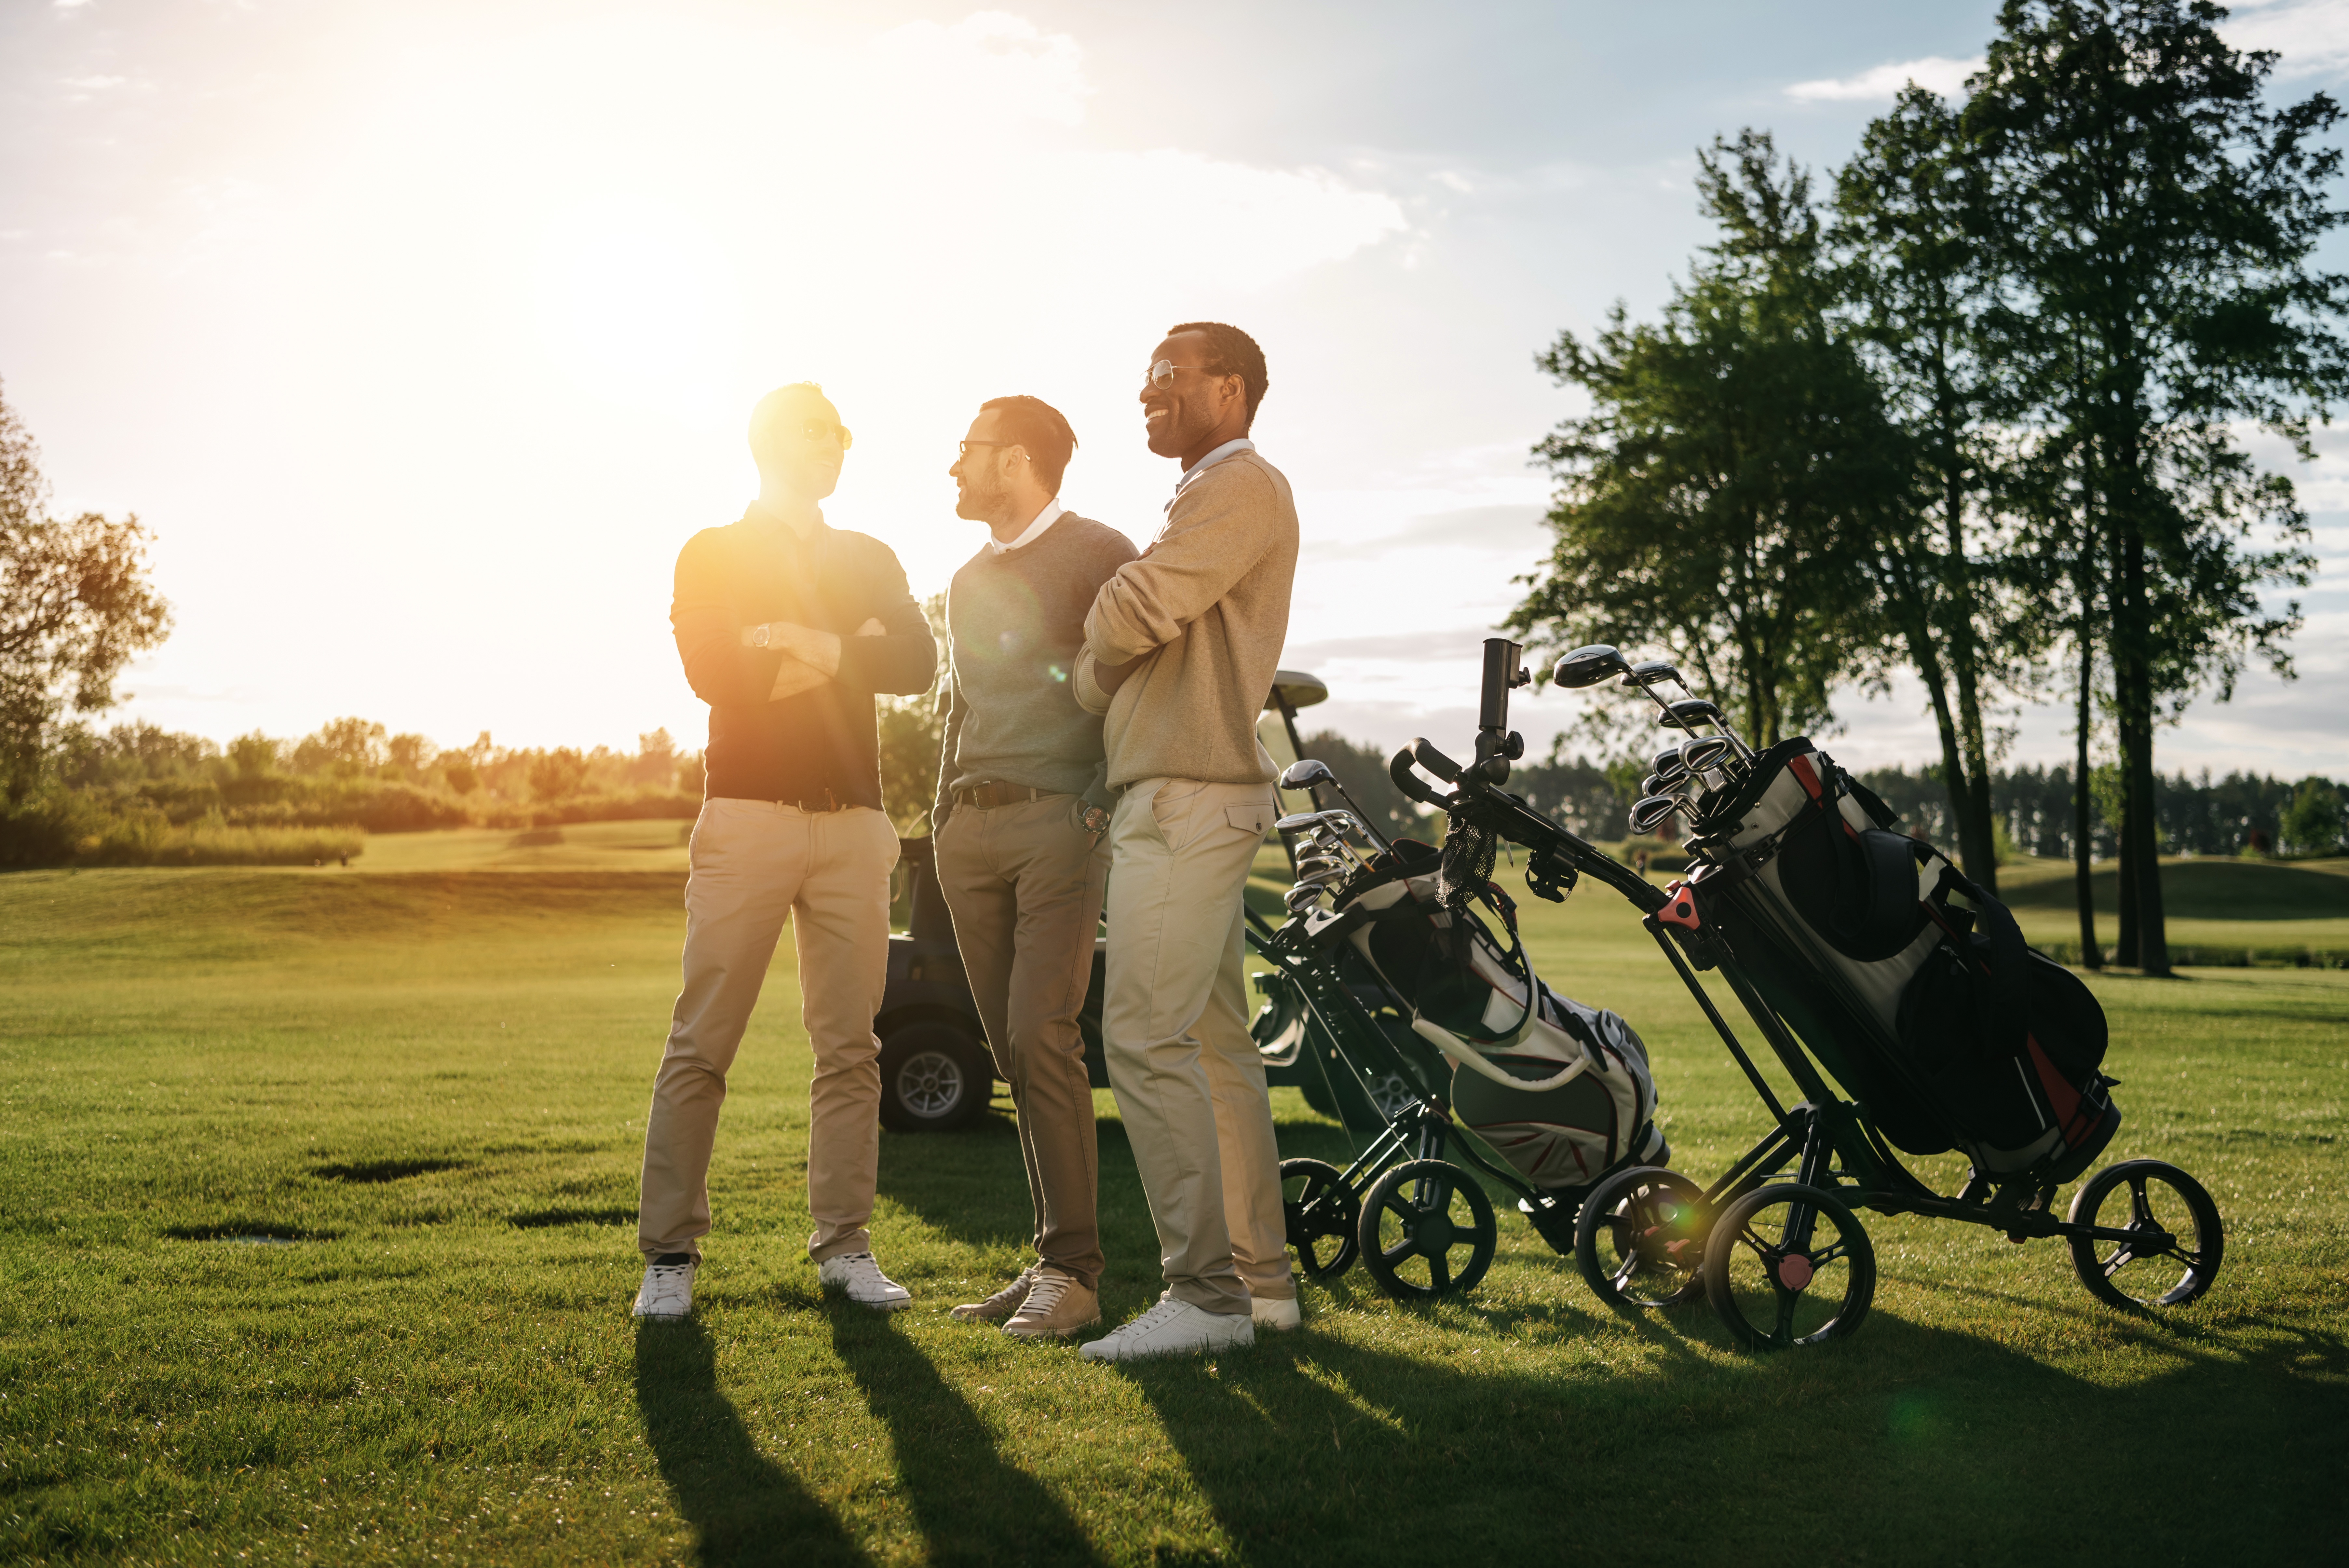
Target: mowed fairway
[[317, 1197]]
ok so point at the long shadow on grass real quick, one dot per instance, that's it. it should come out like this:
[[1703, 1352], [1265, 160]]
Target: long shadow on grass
[[745, 1509], [972, 1506], [1907, 1444]]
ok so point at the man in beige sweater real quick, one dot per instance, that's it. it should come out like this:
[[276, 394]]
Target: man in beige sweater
[[1180, 650]]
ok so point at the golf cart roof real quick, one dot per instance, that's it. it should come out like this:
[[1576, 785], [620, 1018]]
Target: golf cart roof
[[1302, 691]]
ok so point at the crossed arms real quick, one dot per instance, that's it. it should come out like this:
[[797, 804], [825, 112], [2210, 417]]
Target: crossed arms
[[1214, 537]]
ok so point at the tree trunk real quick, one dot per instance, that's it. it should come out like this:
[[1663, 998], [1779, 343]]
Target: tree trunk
[[1969, 784], [2083, 808], [2133, 685]]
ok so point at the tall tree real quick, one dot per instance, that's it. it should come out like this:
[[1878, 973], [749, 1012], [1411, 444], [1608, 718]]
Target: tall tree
[[74, 605], [1910, 210], [1716, 497], [2156, 223]]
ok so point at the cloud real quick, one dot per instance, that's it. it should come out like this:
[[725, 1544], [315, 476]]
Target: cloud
[[1513, 530], [1880, 84], [2313, 35], [93, 84]]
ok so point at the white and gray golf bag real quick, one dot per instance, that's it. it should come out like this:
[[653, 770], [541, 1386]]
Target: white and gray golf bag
[[1562, 1091]]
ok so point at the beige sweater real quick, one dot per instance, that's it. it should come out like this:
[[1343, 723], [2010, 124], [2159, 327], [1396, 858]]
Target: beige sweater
[[1210, 595]]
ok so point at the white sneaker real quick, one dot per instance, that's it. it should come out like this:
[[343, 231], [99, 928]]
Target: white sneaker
[[1172, 1328], [667, 1291], [1276, 1313], [862, 1279]]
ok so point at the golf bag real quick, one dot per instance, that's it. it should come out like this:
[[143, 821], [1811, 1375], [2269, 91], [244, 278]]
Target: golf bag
[[1909, 982], [1562, 1091]]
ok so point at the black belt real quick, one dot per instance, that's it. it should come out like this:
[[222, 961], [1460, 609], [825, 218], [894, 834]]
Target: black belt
[[988, 795], [826, 802]]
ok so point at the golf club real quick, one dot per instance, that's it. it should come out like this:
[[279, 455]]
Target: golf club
[[1651, 813], [1589, 666], [1306, 773]]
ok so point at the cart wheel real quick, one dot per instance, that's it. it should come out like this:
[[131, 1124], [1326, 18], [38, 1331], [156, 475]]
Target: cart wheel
[[2169, 1216], [1321, 1214], [1640, 1239], [1426, 1230], [1789, 1264]]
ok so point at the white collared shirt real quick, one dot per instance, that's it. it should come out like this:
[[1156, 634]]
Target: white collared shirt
[[1053, 512], [1229, 449]]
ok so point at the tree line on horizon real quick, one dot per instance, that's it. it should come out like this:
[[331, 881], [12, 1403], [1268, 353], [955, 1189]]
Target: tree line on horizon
[[1972, 409]]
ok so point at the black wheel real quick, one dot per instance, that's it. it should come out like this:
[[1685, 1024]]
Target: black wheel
[[1426, 1230], [2169, 1217], [1640, 1239], [1789, 1264], [1322, 1214], [934, 1076]]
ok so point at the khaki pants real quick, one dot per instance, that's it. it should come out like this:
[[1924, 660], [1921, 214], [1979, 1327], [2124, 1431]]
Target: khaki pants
[[1189, 1082], [755, 865], [1024, 883]]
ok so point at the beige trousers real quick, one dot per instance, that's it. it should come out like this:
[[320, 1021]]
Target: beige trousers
[[1024, 883], [757, 863], [1189, 1082]]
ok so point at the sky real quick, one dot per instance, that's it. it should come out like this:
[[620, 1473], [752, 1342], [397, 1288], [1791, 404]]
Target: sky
[[423, 334]]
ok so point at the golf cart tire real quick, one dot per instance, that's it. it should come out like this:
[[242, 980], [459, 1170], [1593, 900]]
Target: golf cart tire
[[935, 1076]]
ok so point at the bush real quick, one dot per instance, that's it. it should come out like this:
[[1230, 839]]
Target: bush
[[73, 827]]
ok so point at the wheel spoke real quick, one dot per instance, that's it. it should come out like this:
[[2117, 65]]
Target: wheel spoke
[[1398, 1253], [1782, 1331], [2121, 1258], [2140, 1204], [1825, 1255], [1439, 1270]]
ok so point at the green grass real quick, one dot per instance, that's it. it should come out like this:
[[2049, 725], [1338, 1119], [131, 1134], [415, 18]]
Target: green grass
[[429, 1085]]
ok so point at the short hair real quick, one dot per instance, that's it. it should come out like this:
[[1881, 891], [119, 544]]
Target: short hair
[[767, 417], [1037, 425], [1231, 352]]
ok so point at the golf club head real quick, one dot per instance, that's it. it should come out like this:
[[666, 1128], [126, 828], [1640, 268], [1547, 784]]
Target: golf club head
[[1308, 821], [1305, 772], [1301, 897], [1669, 768], [1651, 784], [1650, 672], [1588, 666], [1691, 711], [1703, 753], [1314, 865], [1651, 813]]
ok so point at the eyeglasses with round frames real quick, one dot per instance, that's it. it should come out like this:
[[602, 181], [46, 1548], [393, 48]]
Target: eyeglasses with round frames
[[1161, 376]]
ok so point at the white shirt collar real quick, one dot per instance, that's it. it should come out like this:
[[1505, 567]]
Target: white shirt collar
[[1053, 512], [1229, 449]]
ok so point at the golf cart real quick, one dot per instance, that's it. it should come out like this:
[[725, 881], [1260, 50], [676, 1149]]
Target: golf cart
[[936, 1073]]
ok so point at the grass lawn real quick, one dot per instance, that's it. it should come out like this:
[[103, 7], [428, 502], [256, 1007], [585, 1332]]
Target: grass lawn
[[426, 1088]]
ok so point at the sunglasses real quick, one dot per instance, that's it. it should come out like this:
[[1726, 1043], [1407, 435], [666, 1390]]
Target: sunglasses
[[1161, 376], [818, 431]]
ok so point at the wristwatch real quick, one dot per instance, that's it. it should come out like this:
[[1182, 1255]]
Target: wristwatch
[[760, 633], [1095, 820]]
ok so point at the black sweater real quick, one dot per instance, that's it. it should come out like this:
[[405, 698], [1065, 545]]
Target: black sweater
[[824, 739]]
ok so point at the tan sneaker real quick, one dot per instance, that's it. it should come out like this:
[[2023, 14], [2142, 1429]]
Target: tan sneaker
[[1057, 1307], [1002, 1304]]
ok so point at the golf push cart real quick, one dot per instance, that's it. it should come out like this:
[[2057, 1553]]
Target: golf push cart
[[1861, 955], [936, 1073]]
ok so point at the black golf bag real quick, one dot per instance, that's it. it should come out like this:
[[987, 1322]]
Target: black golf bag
[[1563, 1091], [1908, 981]]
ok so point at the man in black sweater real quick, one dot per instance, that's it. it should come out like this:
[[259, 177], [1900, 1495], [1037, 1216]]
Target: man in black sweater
[[787, 628], [1022, 803]]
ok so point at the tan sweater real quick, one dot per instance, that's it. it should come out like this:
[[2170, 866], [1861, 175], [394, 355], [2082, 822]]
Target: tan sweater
[[1210, 595]]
